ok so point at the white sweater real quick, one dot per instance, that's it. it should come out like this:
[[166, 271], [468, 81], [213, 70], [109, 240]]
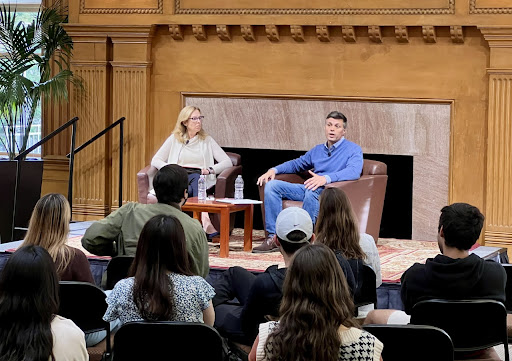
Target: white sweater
[[196, 153]]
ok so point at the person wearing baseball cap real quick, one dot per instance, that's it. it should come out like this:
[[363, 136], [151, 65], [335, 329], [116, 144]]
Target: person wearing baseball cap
[[260, 296]]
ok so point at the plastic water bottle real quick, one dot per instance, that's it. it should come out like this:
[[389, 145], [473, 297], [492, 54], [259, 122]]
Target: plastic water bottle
[[201, 188], [239, 188]]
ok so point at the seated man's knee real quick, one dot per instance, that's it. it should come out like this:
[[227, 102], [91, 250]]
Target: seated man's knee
[[270, 186]]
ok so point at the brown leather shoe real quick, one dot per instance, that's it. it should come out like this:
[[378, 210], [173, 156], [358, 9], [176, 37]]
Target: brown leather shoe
[[267, 246]]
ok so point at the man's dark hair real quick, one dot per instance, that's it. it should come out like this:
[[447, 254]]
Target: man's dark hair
[[337, 115], [462, 224], [289, 247], [170, 183]]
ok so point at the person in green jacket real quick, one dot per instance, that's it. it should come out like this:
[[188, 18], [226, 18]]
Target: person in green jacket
[[118, 233]]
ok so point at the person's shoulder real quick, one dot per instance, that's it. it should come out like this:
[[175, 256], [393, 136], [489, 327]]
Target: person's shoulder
[[495, 267], [414, 271], [65, 327], [123, 285]]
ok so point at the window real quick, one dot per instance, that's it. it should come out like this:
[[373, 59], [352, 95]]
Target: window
[[26, 11]]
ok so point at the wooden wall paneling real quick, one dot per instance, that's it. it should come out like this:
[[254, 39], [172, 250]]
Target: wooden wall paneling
[[55, 175], [498, 221], [91, 183], [131, 69], [361, 70]]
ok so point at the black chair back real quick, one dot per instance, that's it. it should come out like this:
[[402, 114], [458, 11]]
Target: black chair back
[[368, 291], [472, 324], [508, 287], [413, 342], [84, 304], [117, 269], [167, 340]]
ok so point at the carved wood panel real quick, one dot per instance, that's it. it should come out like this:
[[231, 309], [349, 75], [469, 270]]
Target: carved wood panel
[[90, 164], [499, 176], [328, 7], [130, 100], [490, 7], [126, 7]]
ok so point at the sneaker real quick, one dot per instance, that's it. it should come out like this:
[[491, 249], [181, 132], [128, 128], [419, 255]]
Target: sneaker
[[267, 246]]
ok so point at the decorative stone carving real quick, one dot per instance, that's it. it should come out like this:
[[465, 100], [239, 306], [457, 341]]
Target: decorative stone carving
[[322, 32], [429, 34], [247, 32], [374, 33], [457, 34], [272, 32], [297, 32], [402, 34], [348, 33], [223, 32], [176, 31], [199, 32]]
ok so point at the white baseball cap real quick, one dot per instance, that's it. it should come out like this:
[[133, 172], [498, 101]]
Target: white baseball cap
[[294, 219]]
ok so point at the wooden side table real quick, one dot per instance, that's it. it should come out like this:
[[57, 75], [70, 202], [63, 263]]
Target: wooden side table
[[225, 209]]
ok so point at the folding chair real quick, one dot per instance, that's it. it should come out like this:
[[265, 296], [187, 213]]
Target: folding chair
[[472, 324], [167, 340], [413, 342], [117, 269], [84, 304], [368, 292]]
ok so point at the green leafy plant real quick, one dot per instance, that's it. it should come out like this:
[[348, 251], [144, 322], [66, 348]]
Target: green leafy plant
[[44, 44]]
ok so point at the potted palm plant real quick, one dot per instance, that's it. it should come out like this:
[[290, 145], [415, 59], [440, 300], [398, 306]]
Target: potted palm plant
[[44, 46]]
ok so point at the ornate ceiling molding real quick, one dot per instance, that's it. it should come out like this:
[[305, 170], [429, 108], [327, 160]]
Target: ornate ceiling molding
[[473, 9], [449, 9], [158, 10]]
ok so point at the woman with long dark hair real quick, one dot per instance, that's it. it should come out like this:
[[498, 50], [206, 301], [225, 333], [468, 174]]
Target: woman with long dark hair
[[162, 286], [316, 322], [49, 228], [30, 329], [338, 229]]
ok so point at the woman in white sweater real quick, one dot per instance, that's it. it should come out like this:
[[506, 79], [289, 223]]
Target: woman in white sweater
[[190, 147]]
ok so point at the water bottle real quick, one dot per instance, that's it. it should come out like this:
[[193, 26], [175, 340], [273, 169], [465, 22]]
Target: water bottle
[[201, 188], [239, 188]]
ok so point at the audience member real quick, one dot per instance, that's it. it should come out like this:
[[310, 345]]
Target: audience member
[[162, 286], [453, 274], [49, 228], [336, 160], [30, 328], [260, 296], [338, 229], [316, 320], [118, 233]]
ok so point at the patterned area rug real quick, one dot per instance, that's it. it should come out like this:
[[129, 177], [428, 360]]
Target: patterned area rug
[[395, 255]]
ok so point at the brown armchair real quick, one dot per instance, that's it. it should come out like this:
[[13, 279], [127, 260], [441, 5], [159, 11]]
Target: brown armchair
[[365, 194], [225, 187]]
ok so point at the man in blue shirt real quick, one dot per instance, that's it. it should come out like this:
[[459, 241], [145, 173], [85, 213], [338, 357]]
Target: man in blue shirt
[[336, 160]]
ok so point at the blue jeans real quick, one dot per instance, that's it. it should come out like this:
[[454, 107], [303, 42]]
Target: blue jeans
[[276, 191], [192, 184]]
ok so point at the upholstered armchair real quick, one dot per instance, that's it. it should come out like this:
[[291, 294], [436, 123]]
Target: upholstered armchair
[[365, 194], [225, 187]]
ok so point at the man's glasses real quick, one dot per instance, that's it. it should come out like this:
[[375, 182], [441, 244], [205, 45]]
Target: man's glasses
[[197, 119]]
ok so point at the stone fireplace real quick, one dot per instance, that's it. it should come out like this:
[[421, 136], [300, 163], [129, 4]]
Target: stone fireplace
[[415, 128]]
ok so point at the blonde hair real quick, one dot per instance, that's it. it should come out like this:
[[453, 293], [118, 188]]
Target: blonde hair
[[49, 228], [180, 131]]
